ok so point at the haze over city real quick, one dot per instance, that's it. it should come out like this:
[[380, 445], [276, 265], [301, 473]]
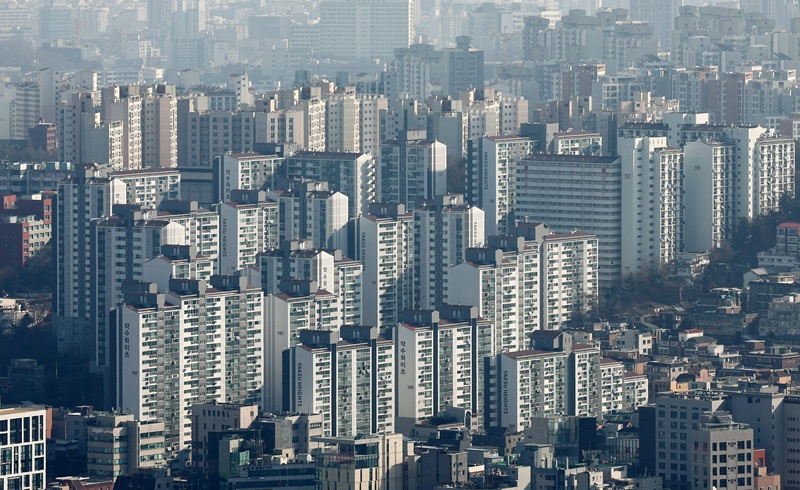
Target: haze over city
[[399, 245]]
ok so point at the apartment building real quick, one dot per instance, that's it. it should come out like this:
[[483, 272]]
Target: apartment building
[[652, 217], [309, 209], [528, 383], [296, 306], [347, 376], [491, 179], [219, 356], [353, 174], [330, 269], [612, 388], [440, 363], [412, 168], [245, 171], [23, 434], [576, 193], [569, 276], [385, 245], [444, 228], [249, 224], [503, 280]]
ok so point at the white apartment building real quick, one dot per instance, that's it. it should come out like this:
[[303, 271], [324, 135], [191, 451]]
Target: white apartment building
[[353, 174], [215, 331], [343, 122], [101, 141], [652, 202], [23, 435], [246, 171], [576, 193], [372, 106], [577, 143], [709, 194], [412, 168], [345, 375], [612, 387], [503, 280], [569, 277], [308, 209], [70, 115], [201, 226], [120, 246], [122, 103], [25, 109], [330, 269], [636, 391], [177, 262], [491, 175], [149, 187], [81, 198], [773, 175], [205, 135], [286, 126], [528, 383], [385, 245], [444, 228], [89, 195], [249, 225], [584, 398], [298, 305], [440, 363], [159, 129]]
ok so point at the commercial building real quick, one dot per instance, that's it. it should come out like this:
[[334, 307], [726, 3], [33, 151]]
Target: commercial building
[[118, 444], [369, 460], [678, 417], [721, 453], [216, 417]]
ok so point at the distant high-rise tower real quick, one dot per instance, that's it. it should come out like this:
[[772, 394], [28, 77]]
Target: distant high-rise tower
[[366, 29]]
